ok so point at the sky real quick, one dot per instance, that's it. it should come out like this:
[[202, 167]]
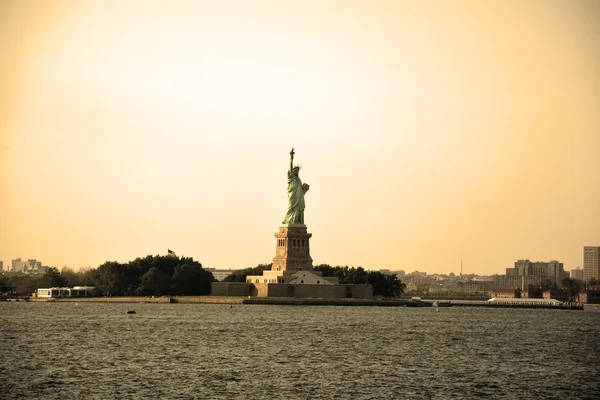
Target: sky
[[430, 132]]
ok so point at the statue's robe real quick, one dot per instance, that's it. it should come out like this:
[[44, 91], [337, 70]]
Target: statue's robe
[[295, 211]]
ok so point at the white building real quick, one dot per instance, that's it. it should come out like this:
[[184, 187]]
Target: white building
[[77, 291], [221, 274]]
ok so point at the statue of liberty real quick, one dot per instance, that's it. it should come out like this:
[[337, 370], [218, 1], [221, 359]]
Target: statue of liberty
[[295, 190]]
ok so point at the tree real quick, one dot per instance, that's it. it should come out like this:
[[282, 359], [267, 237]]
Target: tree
[[572, 286], [188, 280], [356, 276], [326, 269], [71, 277], [88, 277], [154, 282], [383, 285], [25, 284], [110, 279], [240, 275], [344, 274], [534, 292], [51, 278], [150, 275], [547, 284]]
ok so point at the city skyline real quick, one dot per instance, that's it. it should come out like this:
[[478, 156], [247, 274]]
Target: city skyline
[[430, 133], [20, 261]]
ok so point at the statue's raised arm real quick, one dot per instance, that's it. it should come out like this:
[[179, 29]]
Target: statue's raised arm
[[292, 159], [295, 190]]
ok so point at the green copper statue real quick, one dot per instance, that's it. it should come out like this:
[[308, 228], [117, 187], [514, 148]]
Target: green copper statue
[[295, 190]]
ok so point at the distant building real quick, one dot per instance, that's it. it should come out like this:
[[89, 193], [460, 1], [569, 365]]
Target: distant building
[[474, 287], [17, 265], [1, 266], [557, 294], [418, 278], [398, 273], [31, 266], [517, 282], [577, 273], [525, 294], [591, 295], [220, 274], [591, 262], [506, 294], [486, 282], [537, 271]]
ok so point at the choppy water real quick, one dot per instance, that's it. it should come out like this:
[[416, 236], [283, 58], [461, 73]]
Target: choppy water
[[204, 351]]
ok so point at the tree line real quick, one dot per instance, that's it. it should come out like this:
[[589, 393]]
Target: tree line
[[168, 275], [384, 285], [571, 286], [25, 284], [147, 276]]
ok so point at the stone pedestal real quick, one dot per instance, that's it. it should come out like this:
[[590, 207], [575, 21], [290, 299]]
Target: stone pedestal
[[292, 249]]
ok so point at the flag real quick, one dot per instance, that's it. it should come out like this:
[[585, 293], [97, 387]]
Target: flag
[[171, 253]]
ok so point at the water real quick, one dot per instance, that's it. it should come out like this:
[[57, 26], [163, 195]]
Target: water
[[210, 351]]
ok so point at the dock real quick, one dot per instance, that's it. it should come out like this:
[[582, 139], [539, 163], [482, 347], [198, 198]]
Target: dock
[[293, 301]]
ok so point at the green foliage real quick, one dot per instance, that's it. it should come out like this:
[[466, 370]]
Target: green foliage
[[154, 282], [537, 291], [88, 277], [152, 276], [240, 275], [572, 286], [383, 285], [73, 278], [25, 284], [110, 279], [547, 285], [534, 292], [326, 269], [355, 276], [191, 279], [51, 278]]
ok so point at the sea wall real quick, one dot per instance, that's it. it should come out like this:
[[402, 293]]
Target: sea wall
[[299, 301], [143, 299]]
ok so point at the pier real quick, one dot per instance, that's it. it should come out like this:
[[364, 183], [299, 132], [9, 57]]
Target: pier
[[406, 303]]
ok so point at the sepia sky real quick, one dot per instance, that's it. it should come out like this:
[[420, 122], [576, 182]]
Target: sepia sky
[[429, 131]]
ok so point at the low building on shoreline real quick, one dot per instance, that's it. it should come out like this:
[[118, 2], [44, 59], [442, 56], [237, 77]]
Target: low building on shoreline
[[77, 291], [591, 295]]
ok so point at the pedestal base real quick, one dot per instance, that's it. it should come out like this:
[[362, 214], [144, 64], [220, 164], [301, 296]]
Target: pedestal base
[[292, 249]]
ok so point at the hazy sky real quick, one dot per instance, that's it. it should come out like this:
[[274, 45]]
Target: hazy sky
[[427, 130]]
